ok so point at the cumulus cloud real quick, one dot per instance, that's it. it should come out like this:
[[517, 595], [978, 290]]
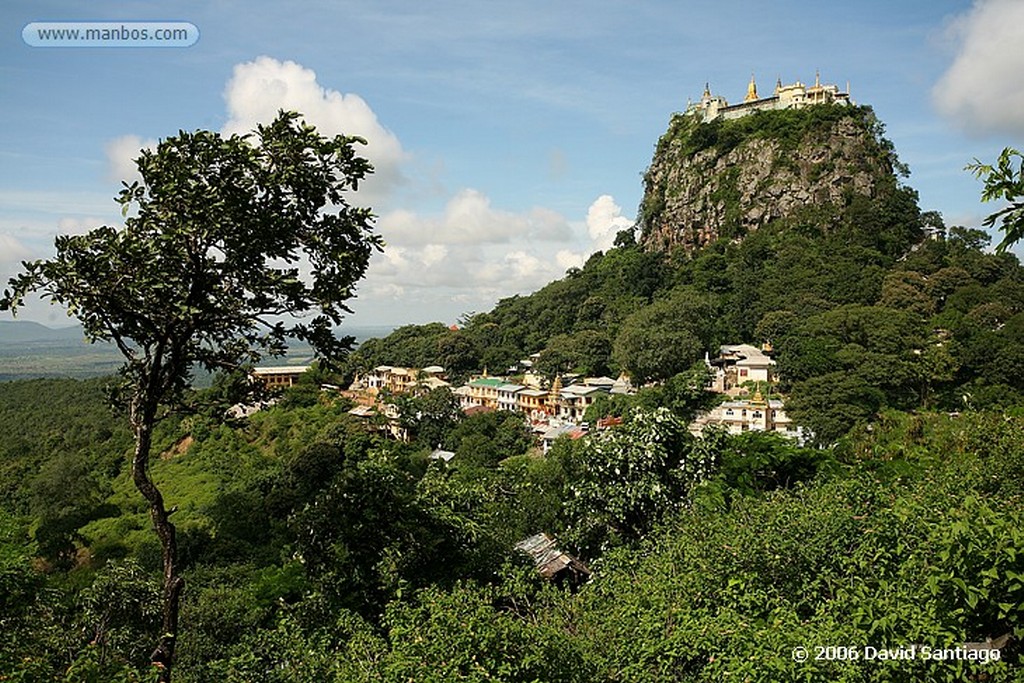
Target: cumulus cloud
[[258, 89], [983, 89], [604, 221], [121, 154], [471, 254], [567, 259], [469, 218], [12, 250]]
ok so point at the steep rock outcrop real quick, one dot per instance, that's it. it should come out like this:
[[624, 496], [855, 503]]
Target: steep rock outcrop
[[730, 177]]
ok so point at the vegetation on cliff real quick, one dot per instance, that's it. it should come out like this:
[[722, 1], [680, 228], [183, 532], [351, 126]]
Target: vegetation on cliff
[[728, 178]]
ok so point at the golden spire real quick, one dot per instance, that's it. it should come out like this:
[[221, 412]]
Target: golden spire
[[751, 91]]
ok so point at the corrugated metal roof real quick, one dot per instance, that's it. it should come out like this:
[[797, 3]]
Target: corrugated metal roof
[[548, 559]]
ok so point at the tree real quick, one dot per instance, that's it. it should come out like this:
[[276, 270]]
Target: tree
[[632, 476], [665, 338], [429, 416], [586, 351], [203, 272], [1002, 181]]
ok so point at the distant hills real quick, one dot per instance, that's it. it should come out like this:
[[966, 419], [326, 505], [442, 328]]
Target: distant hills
[[31, 350], [22, 331]]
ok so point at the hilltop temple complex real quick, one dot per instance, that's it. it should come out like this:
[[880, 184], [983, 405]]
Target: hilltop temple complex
[[793, 96]]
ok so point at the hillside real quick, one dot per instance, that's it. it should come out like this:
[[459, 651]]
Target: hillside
[[727, 178], [316, 547], [790, 227]]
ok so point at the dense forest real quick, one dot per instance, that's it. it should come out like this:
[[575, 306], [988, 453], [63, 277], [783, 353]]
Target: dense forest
[[316, 549]]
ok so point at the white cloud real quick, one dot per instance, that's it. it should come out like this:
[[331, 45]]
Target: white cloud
[[983, 89], [12, 250], [76, 225], [471, 254], [569, 259], [260, 88], [469, 218], [604, 221], [121, 154]]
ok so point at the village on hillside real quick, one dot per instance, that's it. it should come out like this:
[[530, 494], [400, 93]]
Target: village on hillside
[[742, 374]]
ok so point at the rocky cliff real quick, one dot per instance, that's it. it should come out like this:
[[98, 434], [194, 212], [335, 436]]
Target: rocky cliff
[[727, 178]]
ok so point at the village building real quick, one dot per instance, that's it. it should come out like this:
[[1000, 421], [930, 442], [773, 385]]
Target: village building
[[442, 455], [738, 364], [464, 395], [534, 403], [551, 434], [576, 398], [484, 391], [551, 562], [280, 377], [508, 397], [756, 414], [397, 380]]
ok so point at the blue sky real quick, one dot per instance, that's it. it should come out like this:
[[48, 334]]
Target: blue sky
[[509, 138]]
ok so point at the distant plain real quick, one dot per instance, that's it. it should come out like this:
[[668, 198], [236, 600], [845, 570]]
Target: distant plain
[[30, 350]]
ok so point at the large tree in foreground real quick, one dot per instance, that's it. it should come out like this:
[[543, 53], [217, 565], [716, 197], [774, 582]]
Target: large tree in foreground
[[206, 272]]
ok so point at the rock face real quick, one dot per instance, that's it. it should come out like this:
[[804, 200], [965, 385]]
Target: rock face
[[728, 178]]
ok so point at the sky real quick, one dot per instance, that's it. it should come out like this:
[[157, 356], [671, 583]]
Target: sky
[[509, 138]]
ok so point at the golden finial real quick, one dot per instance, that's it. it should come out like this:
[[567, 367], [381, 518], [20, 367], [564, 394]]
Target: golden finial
[[751, 91]]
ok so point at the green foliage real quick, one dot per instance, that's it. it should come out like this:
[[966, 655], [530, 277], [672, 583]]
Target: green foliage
[[853, 561], [587, 352], [47, 419], [667, 337], [757, 462], [632, 476], [414, 346], [488, 437], [65, 497], [1003, 181], [203, 272], [428, 417], [465, 634]]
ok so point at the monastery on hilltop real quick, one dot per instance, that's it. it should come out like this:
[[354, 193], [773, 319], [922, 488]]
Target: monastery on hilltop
[[793, 96]]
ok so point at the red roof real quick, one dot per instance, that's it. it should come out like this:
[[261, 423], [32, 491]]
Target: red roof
[[474, 410]]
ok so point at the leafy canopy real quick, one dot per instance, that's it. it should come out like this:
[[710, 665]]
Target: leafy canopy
[[1003, 181], [209, 259]]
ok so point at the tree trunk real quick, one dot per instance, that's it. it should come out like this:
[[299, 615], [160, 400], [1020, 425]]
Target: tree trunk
[[143, 419]]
